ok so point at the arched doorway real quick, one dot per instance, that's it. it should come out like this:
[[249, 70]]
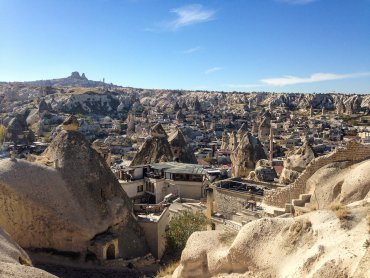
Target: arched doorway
[[111, 252]]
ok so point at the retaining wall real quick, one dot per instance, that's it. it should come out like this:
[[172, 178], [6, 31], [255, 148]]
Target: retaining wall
[[353, 152]]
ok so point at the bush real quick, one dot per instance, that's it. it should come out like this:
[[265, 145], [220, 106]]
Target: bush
[[180, 229], [2, 134], [167, 270], [342, 213]]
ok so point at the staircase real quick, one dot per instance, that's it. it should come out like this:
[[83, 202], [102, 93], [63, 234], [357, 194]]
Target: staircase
[[296, 205]]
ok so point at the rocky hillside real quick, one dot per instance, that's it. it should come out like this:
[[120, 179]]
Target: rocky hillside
[[77, 94], [74, 80]]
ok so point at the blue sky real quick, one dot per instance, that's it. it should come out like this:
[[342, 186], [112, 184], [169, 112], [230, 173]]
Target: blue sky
[[242, 45]]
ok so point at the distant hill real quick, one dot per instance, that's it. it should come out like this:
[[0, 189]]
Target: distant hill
[[74, 80]]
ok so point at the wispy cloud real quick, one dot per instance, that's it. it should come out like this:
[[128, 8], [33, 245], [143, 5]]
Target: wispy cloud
[[316, 77], [191, 14], [212, 70], [185, 16], [191, 50], [296, 2]]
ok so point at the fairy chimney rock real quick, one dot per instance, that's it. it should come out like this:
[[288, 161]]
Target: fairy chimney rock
[[71, 124]]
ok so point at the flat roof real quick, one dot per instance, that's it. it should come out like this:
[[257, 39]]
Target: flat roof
[[180, 168]]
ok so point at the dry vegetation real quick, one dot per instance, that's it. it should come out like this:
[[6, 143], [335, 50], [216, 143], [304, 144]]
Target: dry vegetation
[[368, 219], [342, 213], [167, 270], [227, 237]]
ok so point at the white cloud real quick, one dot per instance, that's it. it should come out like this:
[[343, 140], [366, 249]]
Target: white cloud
[[191, 50], [189, 15], [316, 77], [212, 70], [297, 2]]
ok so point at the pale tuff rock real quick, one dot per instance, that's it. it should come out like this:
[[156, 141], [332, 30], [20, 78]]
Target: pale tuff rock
[[180, 150], [311, 245], [155, 148], [264, 126], [241, 132], [71, 124], [296, 162], [339, 182], [14, 261], [63, 206], [225, 141], [263, 172], [18, 132], [246, 155], [180, 117], [197, 106], [43, 106], [130, 124], [158, 131], [233, 141]]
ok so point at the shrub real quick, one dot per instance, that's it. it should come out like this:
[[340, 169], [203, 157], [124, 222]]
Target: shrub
[[342, 213], [227, 237], [367, 243], [2, 134], [167, 270], [180, 229]]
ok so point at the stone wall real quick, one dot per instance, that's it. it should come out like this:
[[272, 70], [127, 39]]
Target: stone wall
[[353, 152], [229, 202]]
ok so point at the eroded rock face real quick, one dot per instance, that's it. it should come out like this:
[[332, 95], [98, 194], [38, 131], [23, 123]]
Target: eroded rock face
[[263, 172], [155, 148], [246, 155], [71, 124], [18, 132], [311, 245], [339, 182], [296, 163], [264, 126], [14, 261], [65, 199], [225, 141], [180, 149]]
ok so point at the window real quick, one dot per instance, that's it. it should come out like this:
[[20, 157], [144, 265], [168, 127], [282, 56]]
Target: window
[[140, 188]]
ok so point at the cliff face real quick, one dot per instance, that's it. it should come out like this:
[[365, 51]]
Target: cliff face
[[65, 204], [246, 155]]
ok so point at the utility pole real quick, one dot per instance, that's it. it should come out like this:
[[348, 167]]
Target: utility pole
[[271, 144]]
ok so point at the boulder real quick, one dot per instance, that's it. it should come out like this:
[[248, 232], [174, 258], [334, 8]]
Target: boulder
[[266, 174], [296, 162]]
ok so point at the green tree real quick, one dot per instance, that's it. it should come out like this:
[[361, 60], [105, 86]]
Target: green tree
[[2, 134], [180, 229]]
